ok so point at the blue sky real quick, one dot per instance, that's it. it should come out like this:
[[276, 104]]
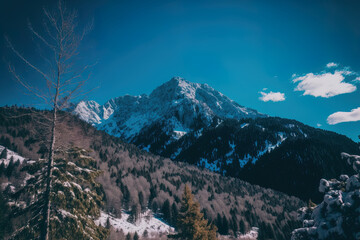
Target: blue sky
[[238, 47]]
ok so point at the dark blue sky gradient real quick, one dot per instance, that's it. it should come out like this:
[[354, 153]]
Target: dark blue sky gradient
[[237, 47]]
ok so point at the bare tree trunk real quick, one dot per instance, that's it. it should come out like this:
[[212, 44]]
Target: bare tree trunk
[[47, 203]]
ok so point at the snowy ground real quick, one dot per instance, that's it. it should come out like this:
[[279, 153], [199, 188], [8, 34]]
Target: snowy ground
[[15, 156], [251, 235], [147, 221]]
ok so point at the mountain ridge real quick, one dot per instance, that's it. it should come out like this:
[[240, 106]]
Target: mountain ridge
[[194, 123], [178, 101]]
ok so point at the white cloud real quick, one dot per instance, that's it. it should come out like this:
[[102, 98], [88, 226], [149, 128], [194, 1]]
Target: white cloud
[[324, 84], [318, 125], [331, 64], [272, 96], [340, 117]]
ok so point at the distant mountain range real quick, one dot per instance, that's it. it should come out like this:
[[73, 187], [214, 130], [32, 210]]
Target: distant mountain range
[[194, 123]]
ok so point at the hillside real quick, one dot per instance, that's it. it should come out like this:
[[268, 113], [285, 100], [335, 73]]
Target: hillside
[[282, 154], [133, 178]]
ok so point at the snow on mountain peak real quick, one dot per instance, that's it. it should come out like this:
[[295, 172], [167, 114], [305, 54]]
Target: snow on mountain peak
[[89, 111], [178, 103]]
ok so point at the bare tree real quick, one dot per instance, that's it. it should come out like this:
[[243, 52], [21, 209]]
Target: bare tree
[[63, 78]]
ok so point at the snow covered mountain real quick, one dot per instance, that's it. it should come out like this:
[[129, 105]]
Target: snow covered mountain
[[194, 123], [178, 105]]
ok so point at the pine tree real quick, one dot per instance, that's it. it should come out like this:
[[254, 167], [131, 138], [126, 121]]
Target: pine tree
[[166, 211], [108, 224], [2, 168], [126, 198], [191, 223], [128, 236], [5, 226], [136, 236], [10, 168], [219, 223], [146, 233], [153, 194], [225, 226], [141, 201], [4, 154], [135, 213], [75, 195], [234, 226], [174, 214], [212, 232], [242, 226]]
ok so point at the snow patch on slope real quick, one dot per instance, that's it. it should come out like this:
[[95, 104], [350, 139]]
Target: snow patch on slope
[[10, 155], [212, 166], [147, 221], [244, 125], [269, 147], [179, 134]]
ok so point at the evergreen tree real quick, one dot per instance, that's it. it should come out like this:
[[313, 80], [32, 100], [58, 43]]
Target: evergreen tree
[[75, 195], [2, 168], [141, 201], [234, 227], [128, 236], [146, 233], [166, 211], [154, 206], [191, 223], [219, 223], [225, 226], [126, 198], [153, 194], [4, 154], [136, 236], [108, 225], [242, 226], [212, 232], [135, 213], [10, 168], [5, 226], [174, 214]]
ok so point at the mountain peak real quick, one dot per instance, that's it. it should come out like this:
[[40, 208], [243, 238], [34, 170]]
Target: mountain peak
[[178, 103], [178, 79]]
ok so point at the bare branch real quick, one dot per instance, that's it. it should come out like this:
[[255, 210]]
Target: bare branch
[[39, 36], [24, 59], [31, 89]]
